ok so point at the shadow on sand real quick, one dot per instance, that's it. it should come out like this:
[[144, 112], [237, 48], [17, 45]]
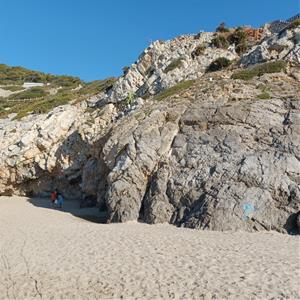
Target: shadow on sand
[[90, 214]]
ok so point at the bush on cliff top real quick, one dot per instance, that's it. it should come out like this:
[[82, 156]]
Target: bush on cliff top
[[222, 28], [239, 38], [220, 41], [295, 23], [259, 70]]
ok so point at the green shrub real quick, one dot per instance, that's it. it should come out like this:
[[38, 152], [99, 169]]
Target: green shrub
[[259, 70], [183, 85], [97, 86], [264, 95], [220, 41], [237, 36], [295, 23], [197, 36], [125, 70], [222, 28], [263, 88], [35, 92], [199, 50], [240, 39], [129, 99], [176, 63], [219, 64], [241, 48]]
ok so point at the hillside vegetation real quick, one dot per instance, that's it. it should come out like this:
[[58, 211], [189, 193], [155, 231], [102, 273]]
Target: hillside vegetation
[[19, 75], [56, 90]]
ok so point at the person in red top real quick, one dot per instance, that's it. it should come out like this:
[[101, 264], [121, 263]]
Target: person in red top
[[53, 197]]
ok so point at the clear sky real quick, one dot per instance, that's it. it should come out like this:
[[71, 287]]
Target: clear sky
[[94, 39]]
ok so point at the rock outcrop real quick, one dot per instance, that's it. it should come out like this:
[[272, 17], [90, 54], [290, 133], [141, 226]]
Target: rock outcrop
[[150, 74], [41, 152], [282, 46], [199, 162], [222, 154]]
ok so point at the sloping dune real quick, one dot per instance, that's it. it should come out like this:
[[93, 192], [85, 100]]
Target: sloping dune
[[50, 254]]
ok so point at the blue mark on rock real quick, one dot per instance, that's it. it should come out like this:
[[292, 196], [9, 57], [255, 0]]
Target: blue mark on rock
[[248, 209]]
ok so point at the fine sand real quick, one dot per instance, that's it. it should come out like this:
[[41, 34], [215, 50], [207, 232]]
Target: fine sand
[[51, 254]]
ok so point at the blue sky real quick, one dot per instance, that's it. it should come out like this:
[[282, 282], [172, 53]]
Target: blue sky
[[94, 39]]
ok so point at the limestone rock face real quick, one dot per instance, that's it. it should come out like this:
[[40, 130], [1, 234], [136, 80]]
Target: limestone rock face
[[132, 156], [39, 153], [221, 165], [149, 75], [221, 154], [232, 166], [203, 167]]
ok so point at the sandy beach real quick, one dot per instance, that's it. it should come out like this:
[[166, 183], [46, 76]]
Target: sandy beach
[[50, 254]]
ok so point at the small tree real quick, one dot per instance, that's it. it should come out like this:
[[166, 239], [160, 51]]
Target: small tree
[[125, 70], [130, 98], [238, 36], [240, 39], [222, 28], [241, 48], [219, 64], [295, 23], [220, 41], [198, 51]]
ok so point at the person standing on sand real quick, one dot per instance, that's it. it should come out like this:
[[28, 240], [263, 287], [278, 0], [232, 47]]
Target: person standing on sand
[[53, 197], [60, 200]]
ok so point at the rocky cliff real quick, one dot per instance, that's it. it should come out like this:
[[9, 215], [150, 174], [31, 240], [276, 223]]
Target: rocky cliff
[[201, 150]]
